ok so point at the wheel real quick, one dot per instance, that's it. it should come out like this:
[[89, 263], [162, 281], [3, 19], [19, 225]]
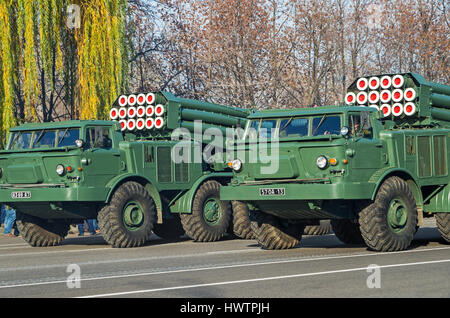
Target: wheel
[[41, 233], [323, 228], [347, 231], [273, 233], [210, 216], [389, 223], [127, 221], [241, 221], [171, 229], [443, 224]]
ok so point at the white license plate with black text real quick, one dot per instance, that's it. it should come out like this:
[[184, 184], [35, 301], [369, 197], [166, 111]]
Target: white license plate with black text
[[21, 195], [272, 191]]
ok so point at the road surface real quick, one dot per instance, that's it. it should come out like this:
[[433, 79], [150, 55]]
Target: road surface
[[320, 266]]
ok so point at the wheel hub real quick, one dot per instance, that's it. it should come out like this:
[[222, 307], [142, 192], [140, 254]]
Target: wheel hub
[[133, 216], [212, 211], [397, 215]]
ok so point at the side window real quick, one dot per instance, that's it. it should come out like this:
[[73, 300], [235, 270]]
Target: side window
[[98, 137], [266, 128], [294, 127], [360, 126], [326, 125]]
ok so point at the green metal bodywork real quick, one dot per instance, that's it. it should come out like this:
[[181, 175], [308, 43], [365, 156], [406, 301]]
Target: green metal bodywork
[[300, 190], [29, 181]]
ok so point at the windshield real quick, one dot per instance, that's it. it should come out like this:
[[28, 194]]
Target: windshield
[[43, 139], [295, 127]]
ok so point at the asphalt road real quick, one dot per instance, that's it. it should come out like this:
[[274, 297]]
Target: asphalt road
[[319, 267]]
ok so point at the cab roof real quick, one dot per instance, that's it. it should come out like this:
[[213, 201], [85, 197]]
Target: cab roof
[[63, 124], [310, 111]]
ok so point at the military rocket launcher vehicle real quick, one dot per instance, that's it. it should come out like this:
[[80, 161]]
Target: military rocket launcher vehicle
[[374, 166], [124, 172]]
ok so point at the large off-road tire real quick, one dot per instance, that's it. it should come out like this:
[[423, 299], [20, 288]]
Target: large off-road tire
[[389, 223], [322, 229], [273, 233], [210, 216], [171, 229], [443, 225], [347, 231], [128, 219], [41, 233], [241, 221]]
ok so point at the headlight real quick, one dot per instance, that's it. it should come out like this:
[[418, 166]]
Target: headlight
[[322, 162], [236, 165], [60, 170]]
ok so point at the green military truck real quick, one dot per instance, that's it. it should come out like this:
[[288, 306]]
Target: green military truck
[[122, 172], [374, 171]]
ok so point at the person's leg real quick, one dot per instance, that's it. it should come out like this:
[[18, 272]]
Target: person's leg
[[81, 229], [91, 228], [10, 217]]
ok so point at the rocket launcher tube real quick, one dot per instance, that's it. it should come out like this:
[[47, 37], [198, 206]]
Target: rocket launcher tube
[[440, 100], [218, 119], [213, 108]]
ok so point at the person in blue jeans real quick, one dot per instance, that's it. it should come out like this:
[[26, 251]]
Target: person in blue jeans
[[10, 219], [2, 214], [91, 227]]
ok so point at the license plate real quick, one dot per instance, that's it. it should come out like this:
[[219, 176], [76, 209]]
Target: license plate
[[272, 191], [21, 195]]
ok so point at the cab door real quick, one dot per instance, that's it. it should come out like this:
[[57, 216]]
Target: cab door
[[101, 161], [365, 151]]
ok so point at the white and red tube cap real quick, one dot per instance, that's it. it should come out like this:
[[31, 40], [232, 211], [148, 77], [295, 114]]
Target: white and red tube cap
[[123, 113], [114, 114], [385, 96], [410, 94], [362, 84], [374, 83], [149, 123], [386, 110], [132, 100], [397, 109], [386, 82], [410, 109], [159, 110], [123, 100], [159, 123], [361, 98], [140, 124], [150, 98], [398, 81], [374, 97], [397, 95], [350, 99]]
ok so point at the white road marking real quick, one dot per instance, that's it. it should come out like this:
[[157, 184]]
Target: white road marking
[[274, 262], [145, 291]]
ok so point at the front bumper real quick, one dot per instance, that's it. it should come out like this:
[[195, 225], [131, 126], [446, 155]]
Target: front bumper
[[294, 192], [51, 194]]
